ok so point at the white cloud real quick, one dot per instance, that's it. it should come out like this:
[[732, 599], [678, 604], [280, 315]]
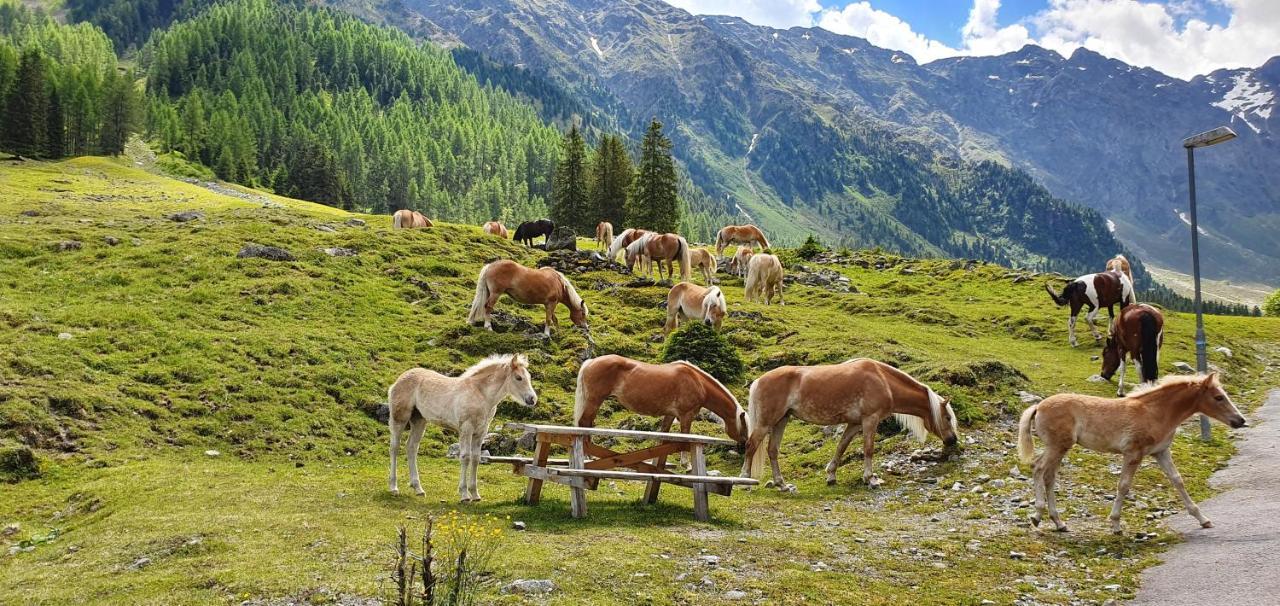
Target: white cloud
[[1169, 36]]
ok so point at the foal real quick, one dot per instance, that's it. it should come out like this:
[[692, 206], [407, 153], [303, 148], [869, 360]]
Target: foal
[[1138, 333], [694, 303], [545, 286], [465, 404], [1137, 426]]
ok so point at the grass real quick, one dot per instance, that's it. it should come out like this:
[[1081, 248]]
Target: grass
[[123, 364]]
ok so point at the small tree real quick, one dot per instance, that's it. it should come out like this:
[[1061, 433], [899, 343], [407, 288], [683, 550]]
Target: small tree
[[1272, 306], [700, 344]]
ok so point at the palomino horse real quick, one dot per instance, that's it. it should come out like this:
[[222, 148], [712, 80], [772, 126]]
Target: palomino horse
[[740, 234], [1136, 426], [703, 259], [465, 404], [532, 229], [738, 263], [496, 228], [660, 248], [1095, 291], [858, 393], [1121, 264], [673, 391], [604, 234], [405, 219], [623, 240], [764, 279], [544, 286], [694, 303], [1138, 333]]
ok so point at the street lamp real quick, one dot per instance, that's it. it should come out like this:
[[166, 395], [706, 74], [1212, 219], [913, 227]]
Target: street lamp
[[1205, 139]]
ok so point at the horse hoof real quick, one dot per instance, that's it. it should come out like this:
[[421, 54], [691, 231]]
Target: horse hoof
[[1206, 524]]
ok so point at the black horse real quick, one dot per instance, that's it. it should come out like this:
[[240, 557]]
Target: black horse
[[532, 229]]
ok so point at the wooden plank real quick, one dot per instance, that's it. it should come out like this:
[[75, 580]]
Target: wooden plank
[[577, 459], [608, 459], [618, 433], [533, 491], [700, 510]]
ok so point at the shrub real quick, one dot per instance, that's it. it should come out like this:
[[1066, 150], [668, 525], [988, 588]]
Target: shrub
[[810, 249], [700, 344], [1272, 306]]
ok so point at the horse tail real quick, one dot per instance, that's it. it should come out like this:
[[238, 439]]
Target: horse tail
[[482, 295], [1150, 349], [754, 421], [1063, 298], [1026, 449], [580, 393], [686, 259]]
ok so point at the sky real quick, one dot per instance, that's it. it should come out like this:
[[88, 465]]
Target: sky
[[1182, 38]]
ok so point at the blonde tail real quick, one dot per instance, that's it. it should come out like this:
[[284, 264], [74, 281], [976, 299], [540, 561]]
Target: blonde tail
[[1026, 449], [482, 296]]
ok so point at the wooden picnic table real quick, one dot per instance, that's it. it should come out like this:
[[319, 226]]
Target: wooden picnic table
[[588, 463]]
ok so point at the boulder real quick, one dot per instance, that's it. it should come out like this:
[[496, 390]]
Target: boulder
[[562, 238], [270, 253]]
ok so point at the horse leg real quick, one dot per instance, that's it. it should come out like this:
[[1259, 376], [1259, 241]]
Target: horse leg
[[1126, 480], [396, 428], [775, 443], [1165, 461], [845, 438], [416, 427], [868, 451]]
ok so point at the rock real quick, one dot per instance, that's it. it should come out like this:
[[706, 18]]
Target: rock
[[354, 222], [111, 240], [518, 525], [1226, 351], [66, 245], [1183, 367], [338, 251], [735, 594], [529, 587], [270, 253], [186, 216], [562, 238], [1028, 397], [65, 336], [212, 453]]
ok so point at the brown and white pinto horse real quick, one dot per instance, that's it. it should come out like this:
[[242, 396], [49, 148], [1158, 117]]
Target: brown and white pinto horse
[[1138, 333], [604, 234], [496, 228], [764, 279], [740, 234], [405, 219], [660, 248], [1095, 291], [703, 260], [543, 286], [1121, 264], [1137, 426], [858, 393], [738, 263], [675, 392], [622, 241], [694, 303]]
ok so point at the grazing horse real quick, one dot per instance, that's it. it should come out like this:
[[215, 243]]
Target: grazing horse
[[496, 228], [858, 393], [740, 234], [1138, 333], [764, 278], [1095, 291], [1139, 425], [604, 234], [662, 248], [532, 229], [694, 303], [465, 404], [703, 259], [673, 391], [405, 219], [543, 286], [1121, 264], [623, 240], [738, 263]]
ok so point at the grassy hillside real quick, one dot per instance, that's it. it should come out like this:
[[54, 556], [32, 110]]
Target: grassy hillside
[[123, 364]]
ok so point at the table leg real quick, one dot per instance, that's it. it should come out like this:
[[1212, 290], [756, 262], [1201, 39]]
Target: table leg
[[533, 491], [578, 460], [700, 511]]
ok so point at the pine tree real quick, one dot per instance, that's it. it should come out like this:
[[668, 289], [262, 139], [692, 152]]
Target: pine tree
[[654, 203], [569, 187], [26, 113], [611, 177]]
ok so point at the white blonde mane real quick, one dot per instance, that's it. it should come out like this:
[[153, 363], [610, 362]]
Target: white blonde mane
[[493, 361]]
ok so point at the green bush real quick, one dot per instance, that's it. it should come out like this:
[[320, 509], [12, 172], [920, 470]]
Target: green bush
[[1272, 306], [810, 249], [700, 344]]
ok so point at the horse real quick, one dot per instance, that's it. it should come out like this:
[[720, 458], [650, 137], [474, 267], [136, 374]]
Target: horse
[[858, 393], [739, 234], [1136, 426], [738, 263], [405, 219], [1139, 334], [662, 248], [623, 240], [1121, 264], [705, 261], [465, 404], [604, 234], [1095, 291], [672, 391], [496, 228], [764, 278], [532, 229], [544, 286], [695, 303]]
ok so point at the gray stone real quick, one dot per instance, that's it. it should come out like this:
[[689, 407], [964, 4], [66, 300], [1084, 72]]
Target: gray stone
[[529, 587]]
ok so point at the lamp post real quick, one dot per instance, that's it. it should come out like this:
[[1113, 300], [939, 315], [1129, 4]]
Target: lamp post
[[1205, 139]]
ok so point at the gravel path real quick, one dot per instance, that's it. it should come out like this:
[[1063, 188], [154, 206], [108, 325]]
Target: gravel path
[[1238, 560]]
